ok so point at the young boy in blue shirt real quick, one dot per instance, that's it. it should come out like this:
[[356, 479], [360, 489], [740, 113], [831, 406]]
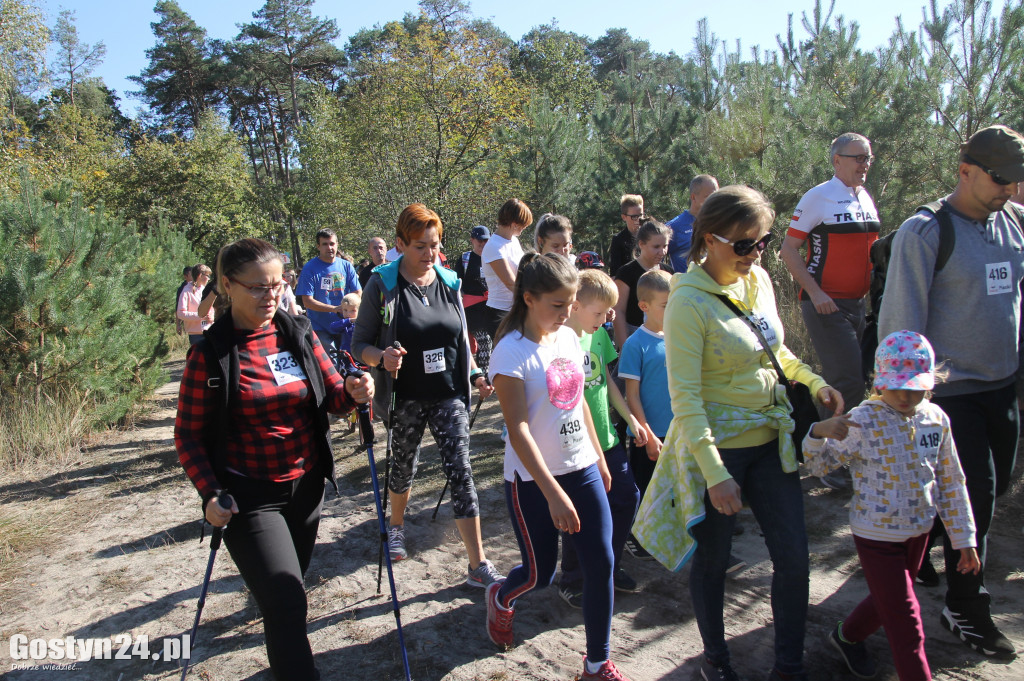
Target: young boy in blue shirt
[[596, 295], [643, 368]]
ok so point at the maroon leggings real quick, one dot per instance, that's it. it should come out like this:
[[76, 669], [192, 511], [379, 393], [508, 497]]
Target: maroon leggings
[[890, 569]]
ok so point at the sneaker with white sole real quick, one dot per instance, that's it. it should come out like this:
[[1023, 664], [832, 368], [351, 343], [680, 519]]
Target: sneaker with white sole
[[396, 543], [484, 575], [979, 633], [499, 618]]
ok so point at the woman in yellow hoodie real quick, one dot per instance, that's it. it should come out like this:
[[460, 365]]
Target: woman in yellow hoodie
[[731, 418]]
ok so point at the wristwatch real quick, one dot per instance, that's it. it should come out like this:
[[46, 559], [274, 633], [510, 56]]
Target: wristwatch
[[380, 364]]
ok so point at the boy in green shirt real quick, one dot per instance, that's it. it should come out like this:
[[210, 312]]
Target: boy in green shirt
[[596, 296]]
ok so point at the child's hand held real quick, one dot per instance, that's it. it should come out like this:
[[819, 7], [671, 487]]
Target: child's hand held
[[641, 433], [653, 446], [969, 562], [832, 399]]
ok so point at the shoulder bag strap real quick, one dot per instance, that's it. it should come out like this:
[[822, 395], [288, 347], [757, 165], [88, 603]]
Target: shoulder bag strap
[[760, 336]]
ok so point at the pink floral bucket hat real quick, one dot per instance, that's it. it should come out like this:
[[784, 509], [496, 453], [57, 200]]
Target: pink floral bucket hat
[[904, 361]]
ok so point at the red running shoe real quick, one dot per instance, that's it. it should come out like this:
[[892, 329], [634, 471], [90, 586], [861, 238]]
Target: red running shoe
[[607, 672], [499, 618]]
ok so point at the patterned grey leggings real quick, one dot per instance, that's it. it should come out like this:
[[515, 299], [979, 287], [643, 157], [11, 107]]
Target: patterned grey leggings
[[449, 424]]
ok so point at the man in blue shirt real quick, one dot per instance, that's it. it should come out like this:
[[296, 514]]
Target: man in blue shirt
[[682, 224], [323, 283]]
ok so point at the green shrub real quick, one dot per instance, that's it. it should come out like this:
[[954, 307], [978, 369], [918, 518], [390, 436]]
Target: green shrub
[[76, 287]]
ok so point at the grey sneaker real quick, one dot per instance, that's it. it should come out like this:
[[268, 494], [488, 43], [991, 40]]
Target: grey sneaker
[[484, 575], [396, 543]]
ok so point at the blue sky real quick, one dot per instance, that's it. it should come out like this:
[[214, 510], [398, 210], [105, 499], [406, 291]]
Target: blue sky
[[124, 25]]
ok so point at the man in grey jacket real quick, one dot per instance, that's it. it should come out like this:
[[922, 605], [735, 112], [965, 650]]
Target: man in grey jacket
[[970, 311]]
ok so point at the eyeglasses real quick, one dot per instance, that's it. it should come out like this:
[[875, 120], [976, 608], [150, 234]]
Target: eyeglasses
[[638, 216], [258, 292], [859, 158], [997, 178], [745, 246]]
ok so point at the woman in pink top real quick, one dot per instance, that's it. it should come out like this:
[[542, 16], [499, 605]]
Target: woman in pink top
[[188, 304]]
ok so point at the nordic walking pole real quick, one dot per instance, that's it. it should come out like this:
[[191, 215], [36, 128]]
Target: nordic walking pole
[[444, 490], [387, 472], [225, 501], [367, 437]]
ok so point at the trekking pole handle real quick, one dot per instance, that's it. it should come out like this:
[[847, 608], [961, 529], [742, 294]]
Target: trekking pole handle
[[225, 501], [397, 346], [363, 410]]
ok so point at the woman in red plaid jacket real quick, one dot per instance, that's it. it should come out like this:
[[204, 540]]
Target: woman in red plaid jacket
[[252, 420]]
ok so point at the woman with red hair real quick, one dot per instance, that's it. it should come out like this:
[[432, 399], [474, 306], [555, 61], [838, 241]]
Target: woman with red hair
[[418, 302]]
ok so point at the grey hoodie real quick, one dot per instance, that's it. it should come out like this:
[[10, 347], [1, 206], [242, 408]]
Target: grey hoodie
[[969, 310]]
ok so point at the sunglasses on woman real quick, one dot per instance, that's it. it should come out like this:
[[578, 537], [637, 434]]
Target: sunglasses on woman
[[745, 246]]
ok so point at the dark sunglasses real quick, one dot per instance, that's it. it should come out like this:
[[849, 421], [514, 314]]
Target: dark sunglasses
[[745, 246], [997, 178]]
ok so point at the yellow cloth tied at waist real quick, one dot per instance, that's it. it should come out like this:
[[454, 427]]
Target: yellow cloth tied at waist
[[674, 501]]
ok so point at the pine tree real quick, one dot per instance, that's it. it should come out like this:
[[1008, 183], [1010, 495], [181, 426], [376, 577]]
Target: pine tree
[[181, 79], [70, 323]]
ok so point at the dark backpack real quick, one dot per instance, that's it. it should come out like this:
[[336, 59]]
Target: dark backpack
[[881, 250]]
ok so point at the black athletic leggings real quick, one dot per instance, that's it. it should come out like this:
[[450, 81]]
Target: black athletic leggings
[[271, 540]]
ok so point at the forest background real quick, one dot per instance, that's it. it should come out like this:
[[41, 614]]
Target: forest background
[[282, 131]]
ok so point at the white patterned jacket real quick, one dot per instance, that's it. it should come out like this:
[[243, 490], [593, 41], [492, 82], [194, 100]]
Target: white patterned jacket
[[903, 469]]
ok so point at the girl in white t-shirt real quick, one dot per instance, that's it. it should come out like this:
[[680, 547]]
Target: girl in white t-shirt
[[556, 479], [500, 258]]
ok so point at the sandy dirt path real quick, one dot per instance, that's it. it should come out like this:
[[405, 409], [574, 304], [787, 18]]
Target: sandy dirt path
[[128, 563]]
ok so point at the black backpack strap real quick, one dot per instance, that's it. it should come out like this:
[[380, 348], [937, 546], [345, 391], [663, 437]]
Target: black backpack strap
[[947, 233]]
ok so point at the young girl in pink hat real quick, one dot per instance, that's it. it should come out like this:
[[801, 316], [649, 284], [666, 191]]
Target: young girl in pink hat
[[905, 470]]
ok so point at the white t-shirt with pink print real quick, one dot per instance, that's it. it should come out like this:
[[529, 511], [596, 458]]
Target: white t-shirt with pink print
[[553, 378]]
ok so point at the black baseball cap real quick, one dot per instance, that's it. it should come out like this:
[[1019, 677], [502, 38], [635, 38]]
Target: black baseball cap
[[999, 149]]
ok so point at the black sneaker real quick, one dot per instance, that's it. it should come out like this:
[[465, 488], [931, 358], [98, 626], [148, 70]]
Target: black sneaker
[[571, 595], [713, 672], [927, 576], [855, 655], [636, 550], [979, 633], [623, 582]]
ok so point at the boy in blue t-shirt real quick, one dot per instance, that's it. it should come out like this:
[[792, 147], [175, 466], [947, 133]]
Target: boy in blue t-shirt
[[324, 281], [596, 295], [642, 365]]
